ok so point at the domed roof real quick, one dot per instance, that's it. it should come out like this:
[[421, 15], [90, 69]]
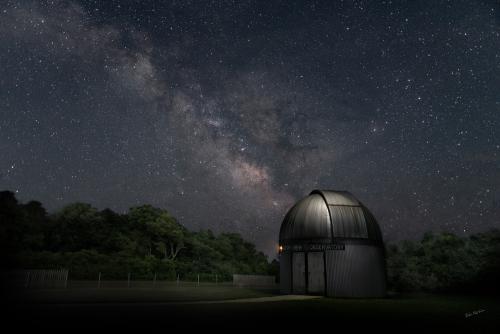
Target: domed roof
[[326, 215]]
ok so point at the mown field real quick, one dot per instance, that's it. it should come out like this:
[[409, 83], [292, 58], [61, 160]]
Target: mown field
[[178, 307], [118, 292]]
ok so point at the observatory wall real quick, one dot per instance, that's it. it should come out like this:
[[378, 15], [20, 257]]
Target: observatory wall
[[359, 271]]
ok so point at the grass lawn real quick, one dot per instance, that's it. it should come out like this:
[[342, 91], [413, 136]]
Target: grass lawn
[[168, 294], [159, 308]]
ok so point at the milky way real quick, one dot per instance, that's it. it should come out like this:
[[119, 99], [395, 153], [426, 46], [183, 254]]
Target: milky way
[[227, 113]]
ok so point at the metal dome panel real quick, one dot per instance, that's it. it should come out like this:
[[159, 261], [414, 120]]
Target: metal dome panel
[[327, 214], [348, 221], [308, 219], [337, 197]]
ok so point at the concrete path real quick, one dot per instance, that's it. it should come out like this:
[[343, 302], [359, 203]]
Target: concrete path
[[270, 299], [283, 298]]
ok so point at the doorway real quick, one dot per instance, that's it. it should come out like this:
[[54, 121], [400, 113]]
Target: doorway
[[298, 273], [316, 273], [312, 263]]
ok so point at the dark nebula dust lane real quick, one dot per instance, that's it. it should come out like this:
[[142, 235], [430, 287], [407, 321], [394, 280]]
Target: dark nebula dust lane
[[226, 113]]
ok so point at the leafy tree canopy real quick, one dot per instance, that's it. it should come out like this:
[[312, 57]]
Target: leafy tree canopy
[[145, 241]]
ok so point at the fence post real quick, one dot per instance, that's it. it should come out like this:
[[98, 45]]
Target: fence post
[[177, 279], [27, 279], [198, 279], [99, 281], [66, 279], [154, 281], [128, 281], [216, 279]]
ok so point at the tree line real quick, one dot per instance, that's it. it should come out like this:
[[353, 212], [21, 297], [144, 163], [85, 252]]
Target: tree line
[[444, 262], [145, 241]]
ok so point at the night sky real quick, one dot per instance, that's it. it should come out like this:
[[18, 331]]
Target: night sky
[[227, 112]]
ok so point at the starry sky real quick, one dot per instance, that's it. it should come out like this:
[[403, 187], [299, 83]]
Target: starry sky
[[227, 112]]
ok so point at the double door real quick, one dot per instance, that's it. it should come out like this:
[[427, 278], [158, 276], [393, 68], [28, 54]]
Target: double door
[[308, 273]]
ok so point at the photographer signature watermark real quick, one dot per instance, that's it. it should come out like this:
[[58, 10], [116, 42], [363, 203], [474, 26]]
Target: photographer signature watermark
[[476, 312]]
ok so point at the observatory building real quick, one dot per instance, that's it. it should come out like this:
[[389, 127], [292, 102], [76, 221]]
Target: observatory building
[[330, 244]]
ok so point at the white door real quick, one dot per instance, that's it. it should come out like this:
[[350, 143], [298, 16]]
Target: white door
[[316, 278], [299, 272]]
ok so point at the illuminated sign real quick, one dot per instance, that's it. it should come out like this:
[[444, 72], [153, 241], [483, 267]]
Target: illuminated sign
[[312, 247]]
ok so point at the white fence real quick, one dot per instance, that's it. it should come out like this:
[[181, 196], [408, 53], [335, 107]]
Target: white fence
[[49, 278], [42, 278], [254, 281]]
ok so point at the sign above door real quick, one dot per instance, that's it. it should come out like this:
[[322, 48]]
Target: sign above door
[[313, 247]]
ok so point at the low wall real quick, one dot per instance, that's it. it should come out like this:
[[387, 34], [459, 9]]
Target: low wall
[[254, 280]]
